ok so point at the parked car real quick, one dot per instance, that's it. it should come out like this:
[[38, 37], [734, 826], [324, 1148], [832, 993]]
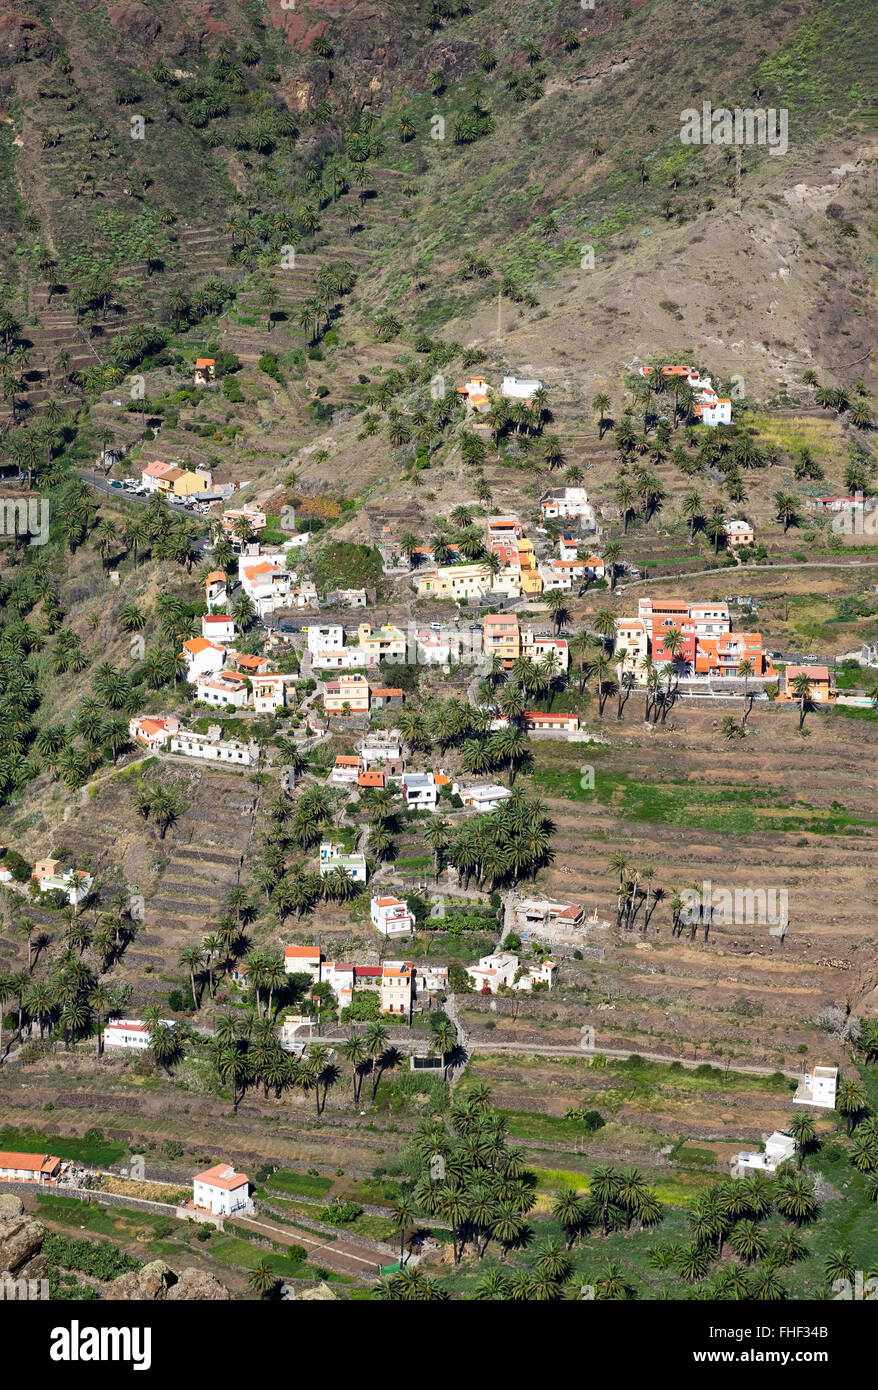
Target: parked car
[[115, 483]]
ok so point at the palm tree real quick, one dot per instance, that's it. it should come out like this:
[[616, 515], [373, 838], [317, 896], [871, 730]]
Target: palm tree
[[100, 1003], [803, 1131], [445, 1042], [840, 1264], [404, 1213], [191, 958], [376, 1042], [7, 992], [785, 508], [571, 1210], [356, 1052], [601, 404], [802, 692], [851, 1102], [611, 556], [261, 1279]]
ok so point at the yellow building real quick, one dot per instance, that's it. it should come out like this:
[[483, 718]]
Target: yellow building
[[456, 581], [190, 483], [531, 579], [500, 636], [387, 642], [349, 694]]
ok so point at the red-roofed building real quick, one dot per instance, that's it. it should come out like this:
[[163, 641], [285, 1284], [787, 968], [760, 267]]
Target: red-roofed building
[[371, 779], [539, 720], [218, 627], [221, 1191], [154, 731], [36, 1168], [346, 769]]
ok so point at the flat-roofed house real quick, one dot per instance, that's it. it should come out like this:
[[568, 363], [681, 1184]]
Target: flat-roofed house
[[818, 1087]]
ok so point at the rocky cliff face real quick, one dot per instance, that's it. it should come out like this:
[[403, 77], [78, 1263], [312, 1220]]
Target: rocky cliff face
[[157, 1282], [21, 1242]]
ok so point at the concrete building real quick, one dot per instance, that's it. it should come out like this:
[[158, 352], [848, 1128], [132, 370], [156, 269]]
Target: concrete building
[[221, 1191], [500, 636], [458, 582], [419, 791], [130, 1034], [41, 1169], [391, 916], [485, 797], [779, 1148], [348, 695], [213, 748], [520, 389], [334, 857], [818, 1088]]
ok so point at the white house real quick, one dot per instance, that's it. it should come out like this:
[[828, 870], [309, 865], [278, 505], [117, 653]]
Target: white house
[[559, 502], [391, 916], [516, 389], [153, 730], [215, 591], [218, 627], [537, 646], [333, 857], [76, 883], [433, 648], [347, 769], [380, 746], [818, 1088], [301, 960], [203, 658], [324, 637], [778, 1149], [226, 689], [216, 749], [221, 1191], [150, 475], [419, 790], [431, 979], [344, 659], [266, 581], [485, 797], [545, 973], [131, 1034], [493, 971]]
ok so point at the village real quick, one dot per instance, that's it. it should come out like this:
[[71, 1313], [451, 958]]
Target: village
[[360, 850]]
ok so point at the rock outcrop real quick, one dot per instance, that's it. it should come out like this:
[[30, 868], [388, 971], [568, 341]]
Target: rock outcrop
[[21, 1240], [157, 1282]]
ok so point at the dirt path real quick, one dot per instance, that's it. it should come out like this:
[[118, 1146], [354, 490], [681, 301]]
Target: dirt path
[[763, 569], [336, 1254]]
